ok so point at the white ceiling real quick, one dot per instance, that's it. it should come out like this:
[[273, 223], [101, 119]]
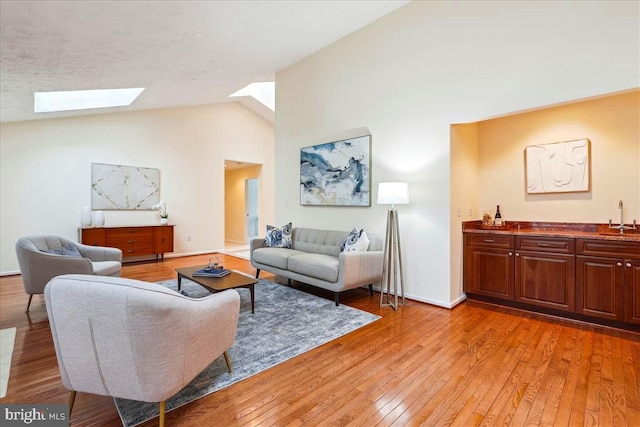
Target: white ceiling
[[182, 52]]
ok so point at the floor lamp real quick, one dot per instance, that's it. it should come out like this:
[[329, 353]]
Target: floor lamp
[[392, 193]]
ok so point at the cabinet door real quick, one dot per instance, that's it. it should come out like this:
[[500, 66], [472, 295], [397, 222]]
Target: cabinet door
[[545, 279], [600, 287], [163, 239], [489, 272], [632, 290], [94, 236]]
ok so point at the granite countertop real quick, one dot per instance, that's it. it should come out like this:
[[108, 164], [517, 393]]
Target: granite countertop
[[555, 229]]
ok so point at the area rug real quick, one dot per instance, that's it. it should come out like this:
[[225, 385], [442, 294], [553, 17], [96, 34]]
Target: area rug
[[286, 323], [7, 340]]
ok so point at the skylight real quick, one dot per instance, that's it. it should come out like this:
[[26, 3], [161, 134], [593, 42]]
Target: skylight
[[47, 102], [263, 92]]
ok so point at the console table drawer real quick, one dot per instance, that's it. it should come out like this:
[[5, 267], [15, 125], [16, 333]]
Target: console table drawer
[[132, 241]]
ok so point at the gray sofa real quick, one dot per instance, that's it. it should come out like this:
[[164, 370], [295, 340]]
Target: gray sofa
[[315, 259]]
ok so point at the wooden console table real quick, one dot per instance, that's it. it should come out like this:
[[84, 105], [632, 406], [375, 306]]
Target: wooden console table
[[133, 241]]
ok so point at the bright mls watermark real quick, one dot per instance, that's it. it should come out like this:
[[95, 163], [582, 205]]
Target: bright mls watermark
[[34, 415]]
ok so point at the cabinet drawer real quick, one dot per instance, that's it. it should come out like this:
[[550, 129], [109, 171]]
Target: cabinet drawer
[[135, 249], [489, 240], [128, 236], [608, 248], [546, 244]]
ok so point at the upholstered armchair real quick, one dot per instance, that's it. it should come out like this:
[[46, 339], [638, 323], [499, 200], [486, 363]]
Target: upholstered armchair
[[135, 340], [38, 267]]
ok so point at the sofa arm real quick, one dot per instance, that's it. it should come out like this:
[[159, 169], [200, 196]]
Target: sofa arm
[[99, 253], [256, 244], [359, 268]]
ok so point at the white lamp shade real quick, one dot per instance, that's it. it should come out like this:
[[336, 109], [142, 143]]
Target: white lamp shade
[[393, 193]]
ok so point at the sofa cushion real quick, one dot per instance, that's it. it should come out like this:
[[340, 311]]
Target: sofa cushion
[[106, 268], [320, 266], [325, 242], [275, 257], [278, 237]]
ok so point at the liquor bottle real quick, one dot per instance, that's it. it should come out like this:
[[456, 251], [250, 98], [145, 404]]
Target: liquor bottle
[[498, 218]]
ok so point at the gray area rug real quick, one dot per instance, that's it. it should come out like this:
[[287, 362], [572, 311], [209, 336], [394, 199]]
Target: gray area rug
[[286, 323]]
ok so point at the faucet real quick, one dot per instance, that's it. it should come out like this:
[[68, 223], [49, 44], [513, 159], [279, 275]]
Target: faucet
[[621, 226]]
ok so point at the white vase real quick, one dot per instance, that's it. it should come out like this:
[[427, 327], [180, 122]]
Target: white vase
[[164, 221], [98, 218], [85, 218]]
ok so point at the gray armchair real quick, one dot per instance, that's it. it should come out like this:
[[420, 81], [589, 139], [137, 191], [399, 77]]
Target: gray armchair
[[135, 340], [38, 267]]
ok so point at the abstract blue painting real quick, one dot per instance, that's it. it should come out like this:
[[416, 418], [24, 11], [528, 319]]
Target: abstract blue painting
[[336, 173]]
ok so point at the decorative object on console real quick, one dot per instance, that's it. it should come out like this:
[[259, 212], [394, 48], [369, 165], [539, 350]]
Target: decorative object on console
[[86, 219], [357, 240], [336, 173], [162, 208], [278, 237], [119, 187], [392, 193], [559, 167], [98, 218]]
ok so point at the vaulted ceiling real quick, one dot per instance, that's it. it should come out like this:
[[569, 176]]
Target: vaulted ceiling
[[182, 52]]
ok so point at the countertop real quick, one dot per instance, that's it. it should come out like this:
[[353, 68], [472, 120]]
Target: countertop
[[555, 229]]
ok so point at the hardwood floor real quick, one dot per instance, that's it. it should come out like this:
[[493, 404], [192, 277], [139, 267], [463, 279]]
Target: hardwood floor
[[422, 365]]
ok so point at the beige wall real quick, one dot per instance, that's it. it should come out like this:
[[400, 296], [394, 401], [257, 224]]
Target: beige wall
[[235, 202], [410, 75], [46, 170], [612, 124]]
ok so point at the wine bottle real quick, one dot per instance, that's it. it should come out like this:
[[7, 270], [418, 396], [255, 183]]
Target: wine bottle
[[498, 217]]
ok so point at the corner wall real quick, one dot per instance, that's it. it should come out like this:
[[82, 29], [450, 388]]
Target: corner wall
[[45, 168]]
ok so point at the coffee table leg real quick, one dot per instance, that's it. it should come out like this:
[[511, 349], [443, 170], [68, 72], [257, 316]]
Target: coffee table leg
[[252, 290], [179, 281]]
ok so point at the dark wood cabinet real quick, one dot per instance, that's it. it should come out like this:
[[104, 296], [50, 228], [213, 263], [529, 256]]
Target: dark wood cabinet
[[488, 266], [608, 280], [632, 286], [600, 287], [133, 241], [545, 272]]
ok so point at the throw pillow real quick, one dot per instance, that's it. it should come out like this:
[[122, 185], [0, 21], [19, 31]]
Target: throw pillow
[[278, 237], [69, 250], [356, 241]]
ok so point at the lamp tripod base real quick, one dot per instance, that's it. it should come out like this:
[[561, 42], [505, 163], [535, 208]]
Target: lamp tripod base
[[392, 276]]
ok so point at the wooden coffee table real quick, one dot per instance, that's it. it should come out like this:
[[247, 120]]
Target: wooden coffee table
[[235, 279]]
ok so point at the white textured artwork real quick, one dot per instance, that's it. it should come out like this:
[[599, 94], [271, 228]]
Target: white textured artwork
[[124, 187], [559, 167], [336, 173]]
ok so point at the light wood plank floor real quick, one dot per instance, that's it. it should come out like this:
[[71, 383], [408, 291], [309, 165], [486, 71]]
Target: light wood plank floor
[[422, 365]]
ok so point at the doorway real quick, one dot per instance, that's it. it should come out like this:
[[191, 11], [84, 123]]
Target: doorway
[[242, 204]]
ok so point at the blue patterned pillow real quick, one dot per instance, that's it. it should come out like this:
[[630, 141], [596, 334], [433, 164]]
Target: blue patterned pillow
[[69, 250], [278, 237], [357, 240]]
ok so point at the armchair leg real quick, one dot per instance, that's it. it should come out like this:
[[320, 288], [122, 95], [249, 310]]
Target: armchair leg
[[29, 303], [163, 407], [72, 399], [226, 359], [337, 298], [257, 272]]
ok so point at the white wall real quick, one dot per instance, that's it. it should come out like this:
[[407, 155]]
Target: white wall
[[46, 170], [411, 74]]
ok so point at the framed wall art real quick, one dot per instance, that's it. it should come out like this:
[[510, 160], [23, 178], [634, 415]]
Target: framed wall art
[[336, 173], [559, 167], [118, 187]]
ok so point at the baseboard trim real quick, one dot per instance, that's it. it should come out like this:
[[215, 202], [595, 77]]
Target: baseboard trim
[[10, 273], [437, 303]]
